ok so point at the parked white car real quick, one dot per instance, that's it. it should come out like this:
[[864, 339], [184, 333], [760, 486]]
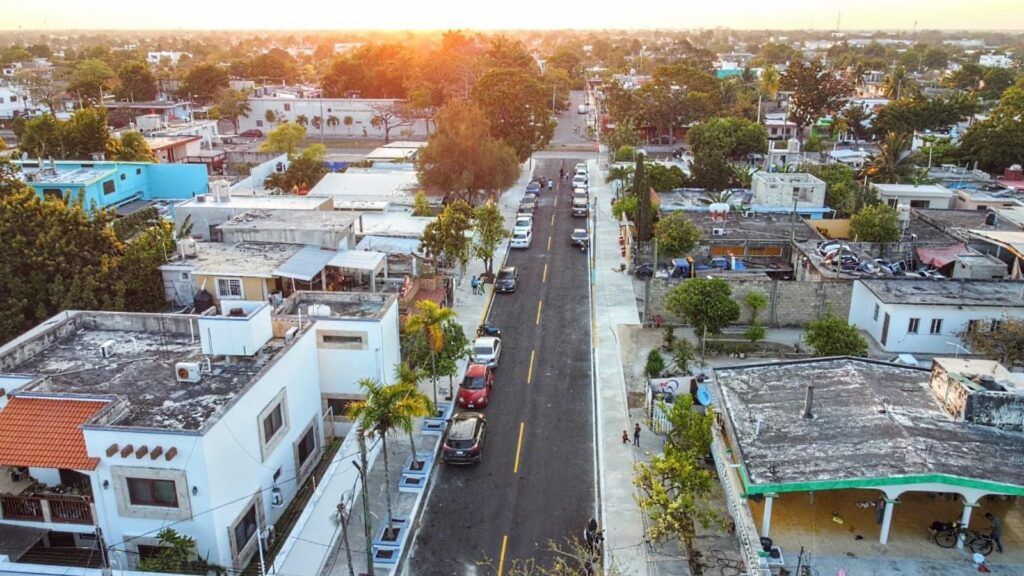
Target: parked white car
[[523, 223], [486, 351], [521, 239], [579, 181]]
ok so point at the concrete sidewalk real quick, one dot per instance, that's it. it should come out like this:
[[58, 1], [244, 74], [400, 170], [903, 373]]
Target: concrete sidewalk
[[613, 304]]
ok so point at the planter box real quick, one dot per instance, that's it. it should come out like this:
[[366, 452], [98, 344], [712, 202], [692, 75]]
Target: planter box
[[426, 458], [436, 424], [386, 553], [412, 484]]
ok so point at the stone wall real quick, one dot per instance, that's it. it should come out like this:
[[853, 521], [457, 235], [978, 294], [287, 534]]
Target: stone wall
[[789, 303]]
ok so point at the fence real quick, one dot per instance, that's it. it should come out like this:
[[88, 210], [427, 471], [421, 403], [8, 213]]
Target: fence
[[55, 508]]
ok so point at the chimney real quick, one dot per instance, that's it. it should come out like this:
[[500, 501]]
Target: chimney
[[809, 401]]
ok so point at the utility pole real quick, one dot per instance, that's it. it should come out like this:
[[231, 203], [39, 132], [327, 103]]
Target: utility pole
[[343, 520], [792, 221], [363, 468], [647, 283]]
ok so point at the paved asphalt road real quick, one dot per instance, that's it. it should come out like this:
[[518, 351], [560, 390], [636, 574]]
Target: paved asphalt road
[[536, 481]]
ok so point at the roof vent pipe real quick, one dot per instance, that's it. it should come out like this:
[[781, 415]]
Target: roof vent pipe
[[809, 401]]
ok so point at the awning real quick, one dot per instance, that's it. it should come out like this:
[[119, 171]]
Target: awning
[[306, 263], [359, 260], [939, 257], [389, 244]]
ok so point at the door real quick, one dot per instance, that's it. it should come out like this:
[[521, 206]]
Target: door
[[885, 329]]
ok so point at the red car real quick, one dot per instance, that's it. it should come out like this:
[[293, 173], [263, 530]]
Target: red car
[[475, 390]]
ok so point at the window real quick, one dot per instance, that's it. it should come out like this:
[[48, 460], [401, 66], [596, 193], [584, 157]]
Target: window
[[109, 187], [912, 327], [52, 194], [892, 202], [287, 107], [149, 552], [259, 123], [339, 406], [124, 176], [14, 98], [229, 288], [306, 446], [936, 327], [918, 203], [972, 325], [273, 422], [150, 492], [245, 529], [875, 315], [995, 325], [341, 339], [138, 171]]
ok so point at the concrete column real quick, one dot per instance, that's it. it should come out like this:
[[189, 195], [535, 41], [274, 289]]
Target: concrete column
[[965, 519], [883, 538], [766, 518]]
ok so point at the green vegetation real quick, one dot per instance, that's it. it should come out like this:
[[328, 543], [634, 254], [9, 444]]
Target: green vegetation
[[676, 235], [833, 336], [877, 223], [704, 303]]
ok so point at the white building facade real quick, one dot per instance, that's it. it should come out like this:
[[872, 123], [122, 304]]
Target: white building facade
[[359, 111], [928, 316]]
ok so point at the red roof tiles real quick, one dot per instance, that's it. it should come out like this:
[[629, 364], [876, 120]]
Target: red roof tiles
[[45, 433]]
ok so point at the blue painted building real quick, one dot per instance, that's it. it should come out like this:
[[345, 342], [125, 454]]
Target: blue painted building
[[105, 184]]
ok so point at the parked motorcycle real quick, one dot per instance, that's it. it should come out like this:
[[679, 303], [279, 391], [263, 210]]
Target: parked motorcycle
[[594, 538], [488, 330]]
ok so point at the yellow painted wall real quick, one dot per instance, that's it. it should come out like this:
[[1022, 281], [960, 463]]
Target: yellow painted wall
[[838, 228], [252, 288]]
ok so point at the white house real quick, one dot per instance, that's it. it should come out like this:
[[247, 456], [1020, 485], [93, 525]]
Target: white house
[[209, 424], [995, 60], [783, 188], [172, 56], [922, 196], [353, 116], [13, 103], [928, 316]]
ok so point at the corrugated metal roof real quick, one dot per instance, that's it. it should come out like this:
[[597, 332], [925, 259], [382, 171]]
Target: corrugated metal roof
[[306, 263]]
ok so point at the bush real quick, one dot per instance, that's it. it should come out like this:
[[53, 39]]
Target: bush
[[832, 336], [755, 332], [682, 355], [655, 364], [625, 154]]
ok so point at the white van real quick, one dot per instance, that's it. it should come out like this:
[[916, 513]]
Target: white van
[[579, 181], [579, 207]]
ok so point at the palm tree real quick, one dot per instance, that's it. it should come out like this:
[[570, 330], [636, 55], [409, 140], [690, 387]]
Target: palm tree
[[410, 377], [386, 408], [892, 164], [333, 121], [270, 116], [317, 122], [770, 82], [898, 84], [302, 120], [722, 197], [348, 123], [429, 320], [621, 174]]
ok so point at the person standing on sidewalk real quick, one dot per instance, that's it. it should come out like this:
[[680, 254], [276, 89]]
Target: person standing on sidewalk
[[475, 284], [625, 437], [996, 533], [636, 434]]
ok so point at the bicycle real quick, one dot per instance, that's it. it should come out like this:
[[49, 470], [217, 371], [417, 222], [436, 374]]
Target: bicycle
[[975, 540]]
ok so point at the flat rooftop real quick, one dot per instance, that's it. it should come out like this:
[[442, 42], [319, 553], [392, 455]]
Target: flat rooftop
[[158, 142], [396, 224], [340, 305], [290, 220], [141, 371], [246, 202], [962, 220], [251, 259], [764, 227], [394, 186], [923, 291], [77, 176], [872, 420], [933, 190]]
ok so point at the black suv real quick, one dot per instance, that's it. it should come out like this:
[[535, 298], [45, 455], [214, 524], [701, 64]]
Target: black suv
[[464, 439], [507, 280]]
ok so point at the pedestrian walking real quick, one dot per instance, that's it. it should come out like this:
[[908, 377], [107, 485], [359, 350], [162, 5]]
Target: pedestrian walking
[[625, 437], [636, 434], [996, 533], [880, 510], [475, 283]]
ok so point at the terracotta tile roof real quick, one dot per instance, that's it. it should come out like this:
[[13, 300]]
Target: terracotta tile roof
[[44, 432]]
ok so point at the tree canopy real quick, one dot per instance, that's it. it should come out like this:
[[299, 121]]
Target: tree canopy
[[203, 83], [833, 336], [877, 223], [517, 108], [286, 138], [461, 157], [704, 303], [137, 82], [676, 235], [446, 235], [1004, 342], [729, 137], [490, 232], [817, 91], [85, 134]]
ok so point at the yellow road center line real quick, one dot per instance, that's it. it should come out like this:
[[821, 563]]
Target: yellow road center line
[[552, 219], [529, 373], [549, 243], [544, 279], [540, 306], [519, 448], [501, 560]]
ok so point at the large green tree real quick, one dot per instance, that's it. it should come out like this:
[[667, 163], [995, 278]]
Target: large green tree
[[446, 235], [817, 91], [731, 138], [645, 207], [130, 147], [833, 336], [138, 83], [274, 66], [704, 303], [676, 235], [303, 172], [462, 158], [92, 78], [234, 104], [370, 71], [517, 108], [998, 141], [286, 139], [893, 163], [876, 223], [490, 231], [203, 83]]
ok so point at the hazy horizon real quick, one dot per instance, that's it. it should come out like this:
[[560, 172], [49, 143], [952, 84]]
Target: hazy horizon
[[401, 15]]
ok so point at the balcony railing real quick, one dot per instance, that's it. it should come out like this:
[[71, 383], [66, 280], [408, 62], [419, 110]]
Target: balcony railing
[[56, 508]]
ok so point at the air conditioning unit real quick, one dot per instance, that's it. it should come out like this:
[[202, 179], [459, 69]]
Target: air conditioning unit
[[718, 231], [190, 372], [276, 497], [291, 333], [201, 199], [107, 349]]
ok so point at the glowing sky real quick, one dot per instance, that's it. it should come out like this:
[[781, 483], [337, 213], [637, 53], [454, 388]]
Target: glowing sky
[[508, 14]]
